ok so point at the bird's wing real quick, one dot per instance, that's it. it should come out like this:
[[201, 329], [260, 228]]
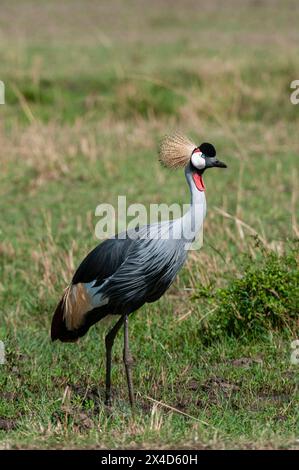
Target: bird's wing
[[122, 272], [78, 299], [149, 268], [139, 267], [102, 261]]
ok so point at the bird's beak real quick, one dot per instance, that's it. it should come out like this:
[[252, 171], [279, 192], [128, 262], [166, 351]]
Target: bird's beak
[[214, 162], [219, 164]]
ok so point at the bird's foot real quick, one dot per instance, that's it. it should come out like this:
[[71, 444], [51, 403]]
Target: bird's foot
[[108, 401]]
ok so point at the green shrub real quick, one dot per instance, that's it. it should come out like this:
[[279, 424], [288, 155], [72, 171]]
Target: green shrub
[[265, 298]]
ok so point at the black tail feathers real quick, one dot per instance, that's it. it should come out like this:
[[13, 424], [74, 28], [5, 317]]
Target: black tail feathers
[[58, 326]]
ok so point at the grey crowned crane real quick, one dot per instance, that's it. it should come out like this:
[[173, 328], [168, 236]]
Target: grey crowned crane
[[132, 268]]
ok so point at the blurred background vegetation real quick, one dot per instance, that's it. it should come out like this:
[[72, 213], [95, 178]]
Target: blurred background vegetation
[[91, 86]]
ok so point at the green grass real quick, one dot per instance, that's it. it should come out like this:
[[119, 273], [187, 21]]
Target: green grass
[[88, 96]]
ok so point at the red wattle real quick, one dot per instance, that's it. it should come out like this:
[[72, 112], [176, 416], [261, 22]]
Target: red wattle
[[198, 182]]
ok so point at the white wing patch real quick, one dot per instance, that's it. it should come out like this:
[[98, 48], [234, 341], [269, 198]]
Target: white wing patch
[[97, 298]]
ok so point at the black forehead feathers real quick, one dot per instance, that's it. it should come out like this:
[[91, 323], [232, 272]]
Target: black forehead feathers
[[207, 149]]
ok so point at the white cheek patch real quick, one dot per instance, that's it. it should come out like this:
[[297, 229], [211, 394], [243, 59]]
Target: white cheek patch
[[198, 161]]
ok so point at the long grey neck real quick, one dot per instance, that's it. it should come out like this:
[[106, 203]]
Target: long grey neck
[[192, 221]]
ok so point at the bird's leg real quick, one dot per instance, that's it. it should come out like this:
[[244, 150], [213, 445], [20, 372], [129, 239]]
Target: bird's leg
[[128, 361], [109, 340]]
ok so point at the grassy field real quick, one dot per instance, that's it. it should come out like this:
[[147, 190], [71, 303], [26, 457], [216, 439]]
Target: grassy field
[[90, 89]]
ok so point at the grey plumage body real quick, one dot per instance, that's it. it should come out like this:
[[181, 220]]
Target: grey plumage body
[[136, 267]]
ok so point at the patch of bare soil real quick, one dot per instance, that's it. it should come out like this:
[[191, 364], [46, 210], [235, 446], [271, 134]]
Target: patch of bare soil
[[246, 362], [7, 424]]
